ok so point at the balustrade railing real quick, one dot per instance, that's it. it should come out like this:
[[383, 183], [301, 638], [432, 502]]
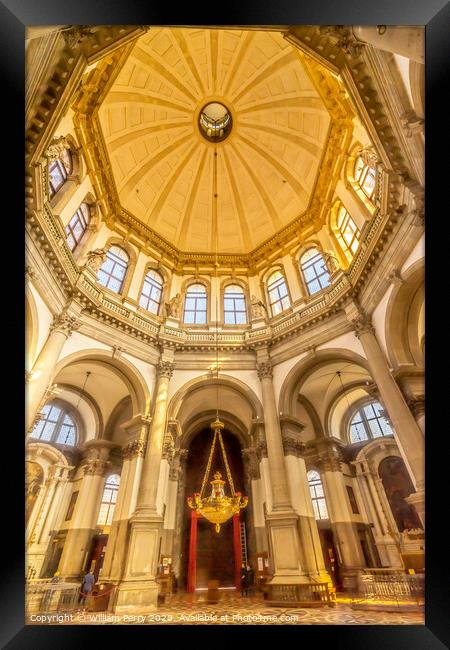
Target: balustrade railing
[[309, 594], [390, 587]]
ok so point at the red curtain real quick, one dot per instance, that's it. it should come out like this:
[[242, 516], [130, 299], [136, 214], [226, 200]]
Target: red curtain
[[192, 566], [237, 550]]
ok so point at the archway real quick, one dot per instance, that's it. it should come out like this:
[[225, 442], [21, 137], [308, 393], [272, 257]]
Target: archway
[[212, 556], [193, 408]]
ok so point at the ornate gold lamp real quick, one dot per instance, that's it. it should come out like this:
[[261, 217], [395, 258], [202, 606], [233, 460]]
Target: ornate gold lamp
[[217, 508]]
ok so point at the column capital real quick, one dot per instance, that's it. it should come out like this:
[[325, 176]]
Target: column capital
[[165, 369], [292, 446], [261, 450], [95, 459], [251, 464], [362, 324], [264, 370], [168, 448], [134, 448], [416, 405], [64, 323]]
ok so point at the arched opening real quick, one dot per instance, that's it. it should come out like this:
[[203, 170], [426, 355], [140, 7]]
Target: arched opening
[[215, 555]]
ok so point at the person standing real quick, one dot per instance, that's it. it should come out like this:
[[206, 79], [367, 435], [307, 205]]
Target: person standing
[[86, 587], [244, 580], [250, 577]]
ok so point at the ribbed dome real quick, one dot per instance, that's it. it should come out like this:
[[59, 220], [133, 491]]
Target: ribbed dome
[[164, 167]]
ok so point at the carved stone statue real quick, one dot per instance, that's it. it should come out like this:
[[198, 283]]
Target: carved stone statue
[[56, 148], [332, 262], [173, 307], [257, 308], [96, 258]]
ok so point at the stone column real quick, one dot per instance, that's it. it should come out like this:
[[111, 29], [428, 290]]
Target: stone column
[[301, 501], [148, 488], [83, 525], [38, 540], [384, 535], [338, 505], [59, 482], [282, 521], [176, 509], [138, 591], [41, 376], [133, 456], [408, 435]]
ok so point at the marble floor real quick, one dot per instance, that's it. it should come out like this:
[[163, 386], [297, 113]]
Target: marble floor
[[187, 609]]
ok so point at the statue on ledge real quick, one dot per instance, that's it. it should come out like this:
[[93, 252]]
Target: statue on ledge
[[257, 308], [173, 307], [96, 258]]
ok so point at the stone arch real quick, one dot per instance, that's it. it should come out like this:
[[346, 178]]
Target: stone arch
[[297, 376], [124, 369], [78, 414], [31, 329], [404, 336], [223, 380]]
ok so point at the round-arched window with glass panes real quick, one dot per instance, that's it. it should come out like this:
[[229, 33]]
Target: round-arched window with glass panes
[[314, 270], [195, 305], [369, 422], [317, 495], [151, 292], [365, 176], [56, 425], [77, 226], [109, 500], [278, 293], [58, 171], [234, 309], [112, 272]]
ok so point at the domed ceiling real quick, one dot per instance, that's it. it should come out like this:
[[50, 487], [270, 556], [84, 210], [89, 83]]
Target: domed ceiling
[[166, 171]]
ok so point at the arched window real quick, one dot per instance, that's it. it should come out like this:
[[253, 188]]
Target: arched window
[[109, 500], [317, 495], [234, 309], [151, 292], [347, 233], [369, 422], [112, 272], [365, 175], [314, 270], [56, 426], [76, 227], [195, 305], [59, 170], [278, 293]]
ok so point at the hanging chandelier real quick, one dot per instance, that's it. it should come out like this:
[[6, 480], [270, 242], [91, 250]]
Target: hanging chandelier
[[217, 508]]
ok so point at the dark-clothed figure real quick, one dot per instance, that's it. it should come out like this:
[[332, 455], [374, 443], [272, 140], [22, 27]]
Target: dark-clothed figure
[[86, 587], [246, 580]]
